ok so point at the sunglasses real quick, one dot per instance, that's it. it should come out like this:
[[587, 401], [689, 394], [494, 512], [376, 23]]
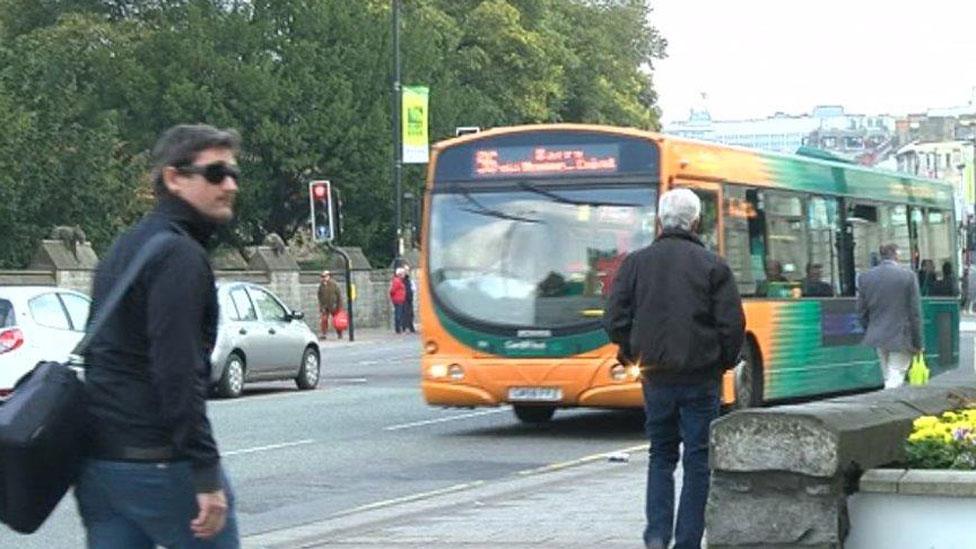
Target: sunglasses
[[214, 173]]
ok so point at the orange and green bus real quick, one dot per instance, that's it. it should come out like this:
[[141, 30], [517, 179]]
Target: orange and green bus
[[526, 226]]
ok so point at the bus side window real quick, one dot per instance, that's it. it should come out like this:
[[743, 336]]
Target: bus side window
[[933, 250], [745, 240], [708, 220], [822, 276], [787, 244], [865, 232]]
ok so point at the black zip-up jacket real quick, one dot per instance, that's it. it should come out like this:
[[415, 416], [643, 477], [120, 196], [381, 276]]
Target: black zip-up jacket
[[148, 369], [675, 308]]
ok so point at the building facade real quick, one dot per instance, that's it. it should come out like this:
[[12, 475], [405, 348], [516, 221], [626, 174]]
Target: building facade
[[862, 138]]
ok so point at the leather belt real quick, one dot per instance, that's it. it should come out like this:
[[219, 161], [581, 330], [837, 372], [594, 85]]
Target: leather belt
[[136, 453]]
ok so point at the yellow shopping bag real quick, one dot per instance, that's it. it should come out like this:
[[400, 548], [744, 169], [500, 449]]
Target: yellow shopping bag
[[918, 373]]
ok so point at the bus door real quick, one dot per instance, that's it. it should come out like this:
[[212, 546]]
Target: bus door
[[710, 228]]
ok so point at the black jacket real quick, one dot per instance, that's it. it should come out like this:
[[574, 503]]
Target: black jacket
[[148, 370], [675, 308]]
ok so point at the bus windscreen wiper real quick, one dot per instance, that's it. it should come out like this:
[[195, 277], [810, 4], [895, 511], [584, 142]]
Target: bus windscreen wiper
[[481, 209], [563, 200]]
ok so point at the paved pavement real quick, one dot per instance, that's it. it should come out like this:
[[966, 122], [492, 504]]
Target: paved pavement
[[364, 336], [594, 502]]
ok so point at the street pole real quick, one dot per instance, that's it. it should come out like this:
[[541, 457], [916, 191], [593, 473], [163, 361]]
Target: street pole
[[397, 147], [349, 294]]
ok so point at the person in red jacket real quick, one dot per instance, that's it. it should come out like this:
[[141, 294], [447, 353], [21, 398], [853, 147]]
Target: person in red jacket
[[398, 295]]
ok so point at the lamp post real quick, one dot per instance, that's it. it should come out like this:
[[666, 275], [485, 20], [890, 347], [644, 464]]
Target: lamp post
[[397, 147]]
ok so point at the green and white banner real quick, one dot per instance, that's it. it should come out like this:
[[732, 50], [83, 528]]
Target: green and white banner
[[414, 117]]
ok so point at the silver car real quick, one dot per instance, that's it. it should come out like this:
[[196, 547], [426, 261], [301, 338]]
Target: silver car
[[259, 339]]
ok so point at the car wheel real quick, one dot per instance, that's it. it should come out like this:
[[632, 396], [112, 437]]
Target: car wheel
[[534, 414], [231, 383], [748, 380], [308, 375]]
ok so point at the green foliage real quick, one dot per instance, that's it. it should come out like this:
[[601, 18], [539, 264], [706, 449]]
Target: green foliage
[[86, 86]]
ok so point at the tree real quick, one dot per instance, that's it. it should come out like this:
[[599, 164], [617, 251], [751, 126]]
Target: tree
[[64, 161], [86, 86]]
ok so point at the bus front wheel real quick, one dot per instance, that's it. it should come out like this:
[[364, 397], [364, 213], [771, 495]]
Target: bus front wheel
[[534, 414], [748, 379]]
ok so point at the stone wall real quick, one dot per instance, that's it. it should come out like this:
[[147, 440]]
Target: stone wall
[[781, 476], [56, 265]]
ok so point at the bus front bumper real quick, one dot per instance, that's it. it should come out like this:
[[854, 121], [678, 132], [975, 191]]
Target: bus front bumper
[[488, 382]]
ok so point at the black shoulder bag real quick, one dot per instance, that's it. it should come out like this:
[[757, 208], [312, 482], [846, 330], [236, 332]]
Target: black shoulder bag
[[42, 423]]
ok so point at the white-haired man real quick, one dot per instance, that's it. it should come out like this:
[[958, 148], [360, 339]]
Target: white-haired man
[[675, 310], [398, 296]]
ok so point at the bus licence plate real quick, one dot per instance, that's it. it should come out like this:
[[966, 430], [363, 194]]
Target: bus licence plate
[[535, 394]]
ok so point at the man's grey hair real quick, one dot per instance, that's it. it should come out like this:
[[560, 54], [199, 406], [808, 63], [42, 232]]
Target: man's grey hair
[[889, 251], [679, 209]]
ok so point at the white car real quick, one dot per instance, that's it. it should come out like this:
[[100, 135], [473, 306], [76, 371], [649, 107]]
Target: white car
[[37, 323], [260, 339]]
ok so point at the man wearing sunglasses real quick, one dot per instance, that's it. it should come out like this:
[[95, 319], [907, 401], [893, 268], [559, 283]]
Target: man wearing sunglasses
[[154, 476]]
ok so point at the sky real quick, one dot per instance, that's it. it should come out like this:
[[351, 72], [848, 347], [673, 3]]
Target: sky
[[753, 58]]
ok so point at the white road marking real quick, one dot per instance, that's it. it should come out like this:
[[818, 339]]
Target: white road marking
[[406, 499], [967, 326], [346, 379], [585, 459], [445, 419], [392, 359], [268, 447], [246, 398]]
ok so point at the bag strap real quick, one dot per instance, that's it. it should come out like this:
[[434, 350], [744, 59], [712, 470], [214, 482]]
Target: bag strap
[[114, 298]]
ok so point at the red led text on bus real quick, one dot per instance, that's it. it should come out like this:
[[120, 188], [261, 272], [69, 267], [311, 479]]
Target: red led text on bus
[[542, 161]]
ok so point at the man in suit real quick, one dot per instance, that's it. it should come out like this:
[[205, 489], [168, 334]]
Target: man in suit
[[891, 311]]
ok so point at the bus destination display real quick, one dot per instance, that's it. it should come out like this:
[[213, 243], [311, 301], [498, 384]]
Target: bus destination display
[[546, 160]]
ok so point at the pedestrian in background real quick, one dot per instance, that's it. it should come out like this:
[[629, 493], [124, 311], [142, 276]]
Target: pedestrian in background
[[675, 310], [398, 296], [890, 308], [411, 290], [154, 475], [330, 303]]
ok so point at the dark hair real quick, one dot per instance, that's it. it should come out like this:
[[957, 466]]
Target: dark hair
[[180, 145], [888, 251]]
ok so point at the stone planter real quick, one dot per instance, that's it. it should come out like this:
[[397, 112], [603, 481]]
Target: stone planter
[[925, 509]]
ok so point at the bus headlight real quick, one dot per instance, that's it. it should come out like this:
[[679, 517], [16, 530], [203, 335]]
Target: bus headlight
[[618, 372], [456, 372], [437, 370]]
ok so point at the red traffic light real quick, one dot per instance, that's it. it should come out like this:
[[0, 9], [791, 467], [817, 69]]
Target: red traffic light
[[319, 191]]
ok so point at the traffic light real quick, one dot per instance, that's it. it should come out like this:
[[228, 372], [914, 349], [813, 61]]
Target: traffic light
[[320, 202]]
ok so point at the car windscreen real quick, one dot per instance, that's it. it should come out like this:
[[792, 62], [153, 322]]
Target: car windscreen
[[6, 313]]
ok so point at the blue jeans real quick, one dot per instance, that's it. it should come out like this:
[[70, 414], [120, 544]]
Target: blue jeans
[[399, 314], [127, 505], [678, 414]]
